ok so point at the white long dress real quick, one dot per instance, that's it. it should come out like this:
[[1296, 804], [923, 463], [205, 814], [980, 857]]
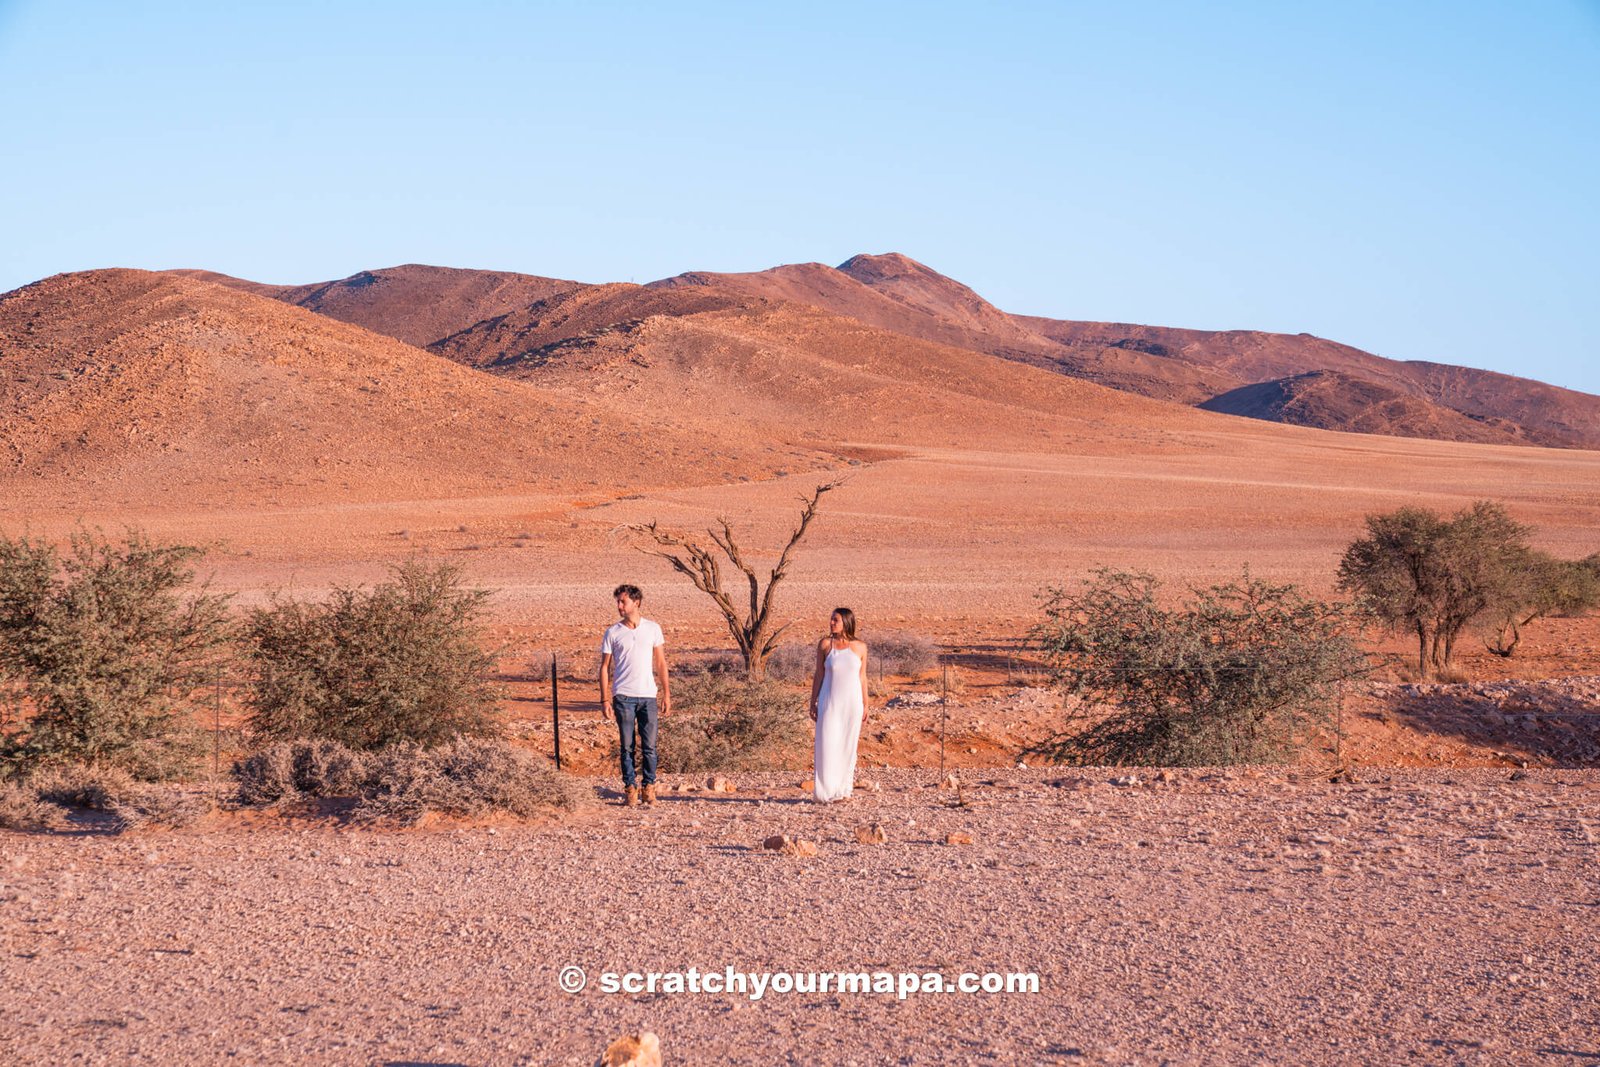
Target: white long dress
[[839, 714]]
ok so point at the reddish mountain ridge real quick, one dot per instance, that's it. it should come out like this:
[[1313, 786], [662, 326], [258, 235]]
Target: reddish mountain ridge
[[138, 388], [1335, 401], [1192, 367], [413, 303], [131, 386], [798, 373], [513, 324], [1533, 412]]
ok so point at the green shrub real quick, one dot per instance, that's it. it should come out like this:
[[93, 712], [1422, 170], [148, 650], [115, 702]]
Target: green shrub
[[723, 722], [399, 663], [104, 651], [1241, 673]]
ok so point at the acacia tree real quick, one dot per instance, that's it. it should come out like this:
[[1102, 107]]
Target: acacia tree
[[1419, 571], [109, 645], [1544, 586], [752, 628]]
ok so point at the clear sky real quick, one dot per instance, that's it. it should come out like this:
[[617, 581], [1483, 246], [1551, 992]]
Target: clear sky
[[1419, 179]]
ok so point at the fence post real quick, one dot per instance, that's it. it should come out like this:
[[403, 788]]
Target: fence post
[[555, 707], [944, 719], [216, 730]]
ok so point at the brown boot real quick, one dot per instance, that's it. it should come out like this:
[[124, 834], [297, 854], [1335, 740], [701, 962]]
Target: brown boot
[[630, 797], [649, 793]]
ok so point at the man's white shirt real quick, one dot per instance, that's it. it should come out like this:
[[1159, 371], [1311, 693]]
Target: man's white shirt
[[632, 651]]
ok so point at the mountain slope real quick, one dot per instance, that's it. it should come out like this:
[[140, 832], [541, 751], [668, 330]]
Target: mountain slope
[[1330, 400], [798, 373], [1542, 414], [527, 337], [150, 386], [487, 319], [413, 303]]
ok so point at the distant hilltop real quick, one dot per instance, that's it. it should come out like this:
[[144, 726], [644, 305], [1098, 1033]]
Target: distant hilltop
[[1229, 371], [152, 384]]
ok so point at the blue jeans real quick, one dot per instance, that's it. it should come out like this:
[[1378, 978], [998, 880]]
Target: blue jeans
[[636, 717]]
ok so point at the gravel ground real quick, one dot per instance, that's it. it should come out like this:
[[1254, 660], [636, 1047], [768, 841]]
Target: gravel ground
[[1414, 917]]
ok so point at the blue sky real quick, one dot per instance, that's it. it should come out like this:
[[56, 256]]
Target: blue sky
[[1417, 179]]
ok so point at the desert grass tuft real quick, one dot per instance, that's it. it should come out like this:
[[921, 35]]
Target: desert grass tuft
[[403, 783], [112, 792], [295, 770], [466, 777], [722, 722], [21, 809], [897, 653]]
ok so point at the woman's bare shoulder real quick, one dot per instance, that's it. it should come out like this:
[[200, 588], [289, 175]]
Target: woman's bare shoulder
[[860, 647]]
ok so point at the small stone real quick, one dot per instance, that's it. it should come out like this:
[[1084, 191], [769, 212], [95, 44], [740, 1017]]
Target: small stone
[[1126, 780], [633, 1050], [719, 784], [789, 846], [950, 782], [873, 834], [959, 837]]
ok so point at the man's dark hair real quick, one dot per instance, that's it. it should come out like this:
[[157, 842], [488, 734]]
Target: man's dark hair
[[632, 592]]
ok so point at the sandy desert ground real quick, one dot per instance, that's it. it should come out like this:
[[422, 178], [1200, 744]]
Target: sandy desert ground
[[1195, 917], [1440, 908]]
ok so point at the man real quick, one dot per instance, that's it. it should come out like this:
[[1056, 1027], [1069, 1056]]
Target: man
[[632, 657]]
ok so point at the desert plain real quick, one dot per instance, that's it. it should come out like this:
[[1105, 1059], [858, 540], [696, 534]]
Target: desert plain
[[1426, 893]]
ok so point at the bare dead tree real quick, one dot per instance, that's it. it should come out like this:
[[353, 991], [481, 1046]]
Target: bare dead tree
[[752, 629]]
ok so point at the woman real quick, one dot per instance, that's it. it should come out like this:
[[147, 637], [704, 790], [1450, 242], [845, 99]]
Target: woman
[[838, 705]]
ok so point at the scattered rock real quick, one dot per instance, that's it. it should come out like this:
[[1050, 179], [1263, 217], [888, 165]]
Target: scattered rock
[[718, 784], [1126, 780], [950, 782], [789, 846], [633, 1050], [959, 837], [912, 700], [872, 834]]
